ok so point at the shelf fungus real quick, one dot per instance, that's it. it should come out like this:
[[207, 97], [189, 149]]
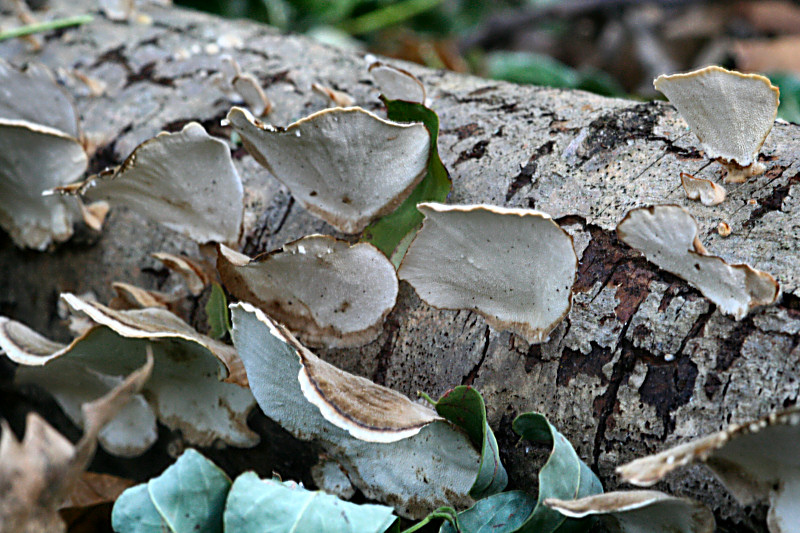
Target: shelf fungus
[[731, 113], [186, 390], [381, 439], [39, 473], [344, 165], [324, 290], [667, 235], [248, 87], [337, 98], [706, 191], [185, 181], [396, 83], [755, 460], [640, 511], [515, 267], [196, 274], [39, 150]]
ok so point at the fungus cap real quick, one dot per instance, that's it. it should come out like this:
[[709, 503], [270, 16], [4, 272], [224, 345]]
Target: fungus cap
[[708, 192], [755, 460], [185, 181], [368, 411], [515, 267], [33, 159], [668, 237], [396, 83], [731, 113], [326, 291], [344, 165], [640, 511]]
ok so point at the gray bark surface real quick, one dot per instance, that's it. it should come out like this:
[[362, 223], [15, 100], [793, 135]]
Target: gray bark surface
[[642, 362]]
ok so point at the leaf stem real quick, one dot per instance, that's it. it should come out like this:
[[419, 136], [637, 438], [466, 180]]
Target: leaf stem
[[387, 16], [49, 25]]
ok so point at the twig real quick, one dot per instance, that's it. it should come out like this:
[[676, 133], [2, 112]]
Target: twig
[[49, 25]]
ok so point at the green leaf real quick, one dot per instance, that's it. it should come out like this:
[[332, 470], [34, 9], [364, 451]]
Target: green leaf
[[388, 232], [499, 513], [256, 505], [536, 69], [464, 407], [789, 84], [188, 497], [217, 312], [564, 476]]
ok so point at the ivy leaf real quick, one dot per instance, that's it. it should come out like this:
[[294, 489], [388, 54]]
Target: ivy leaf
[[187, 496], [217, 312], [387, 232], [255, 505], [500, 513], [564, 476], [464, 407]]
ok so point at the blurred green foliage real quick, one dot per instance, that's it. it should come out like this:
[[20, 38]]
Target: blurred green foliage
[[789, 84]]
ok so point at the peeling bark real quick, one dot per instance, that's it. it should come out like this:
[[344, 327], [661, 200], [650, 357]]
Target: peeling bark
[[642, 362]]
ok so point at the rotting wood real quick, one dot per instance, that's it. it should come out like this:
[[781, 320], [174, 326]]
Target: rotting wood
[[642, 362]]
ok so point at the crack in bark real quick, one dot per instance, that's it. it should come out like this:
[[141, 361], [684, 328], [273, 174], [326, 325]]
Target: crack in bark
[[469, 379]]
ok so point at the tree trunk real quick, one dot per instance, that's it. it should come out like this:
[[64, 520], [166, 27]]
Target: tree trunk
[[642, 362]]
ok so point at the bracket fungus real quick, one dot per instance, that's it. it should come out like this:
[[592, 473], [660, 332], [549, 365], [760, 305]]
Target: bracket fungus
[[185, 181], [195, 274], [39, 150], [247, 86], [668, 236], [396, 83], [38, 474], [708, 192], [185, 391], [640, 511], [337, 98], [731, 113], [344, 165], [316, 402], [756, 460], [515, 267], [326, 291]]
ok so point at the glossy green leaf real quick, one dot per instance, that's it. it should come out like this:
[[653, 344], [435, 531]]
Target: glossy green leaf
[[257, 505], [500, 513], [564, 476], [188, 497], [219, 321], [388, 232], [464, 407]]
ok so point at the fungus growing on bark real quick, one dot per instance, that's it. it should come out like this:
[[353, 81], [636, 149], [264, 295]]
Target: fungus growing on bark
[[731, 113], [185, 391], [185, 181], [345, 165], [755, 460], [667, 235], [396, 83], [325, 291], [33, 159], [640, 511], [708, 192], [195, 274], [39, 150], [515, 267], [387, 472], [39, 473], [247, 86], [337, 98], [367, 411]]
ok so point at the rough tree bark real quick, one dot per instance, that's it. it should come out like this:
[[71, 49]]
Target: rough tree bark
[[605, 378]]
